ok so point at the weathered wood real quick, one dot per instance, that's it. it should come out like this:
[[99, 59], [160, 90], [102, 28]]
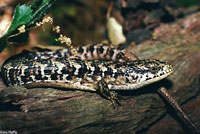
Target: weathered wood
[[52, 111]]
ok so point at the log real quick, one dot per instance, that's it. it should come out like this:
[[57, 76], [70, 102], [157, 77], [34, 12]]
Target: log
[[53, 111]]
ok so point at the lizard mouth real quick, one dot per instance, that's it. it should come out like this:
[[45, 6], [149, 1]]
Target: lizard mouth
[[158, 78], [165, 72]]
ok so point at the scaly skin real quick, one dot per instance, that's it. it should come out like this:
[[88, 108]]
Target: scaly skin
[[79, 74], [97, 51], [84, 71]]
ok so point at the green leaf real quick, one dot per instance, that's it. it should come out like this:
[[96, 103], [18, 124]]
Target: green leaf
[[43, 8], [21, 16], [26, 15]]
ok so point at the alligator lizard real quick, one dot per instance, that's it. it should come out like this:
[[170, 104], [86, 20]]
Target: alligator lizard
[[61, 69]]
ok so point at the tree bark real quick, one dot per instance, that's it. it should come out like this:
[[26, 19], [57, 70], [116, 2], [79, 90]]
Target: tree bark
[[53, 111]]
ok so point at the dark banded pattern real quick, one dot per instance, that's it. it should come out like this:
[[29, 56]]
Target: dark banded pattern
[[39, 69]]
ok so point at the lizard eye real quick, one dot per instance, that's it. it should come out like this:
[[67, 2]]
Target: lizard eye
[[153, 69]]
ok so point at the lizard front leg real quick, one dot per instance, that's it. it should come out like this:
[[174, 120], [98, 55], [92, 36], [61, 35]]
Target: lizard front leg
[[103, 90]]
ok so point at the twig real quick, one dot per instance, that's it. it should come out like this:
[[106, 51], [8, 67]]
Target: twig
[[163, 92]]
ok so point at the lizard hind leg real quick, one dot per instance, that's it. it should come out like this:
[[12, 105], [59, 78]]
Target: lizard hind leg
[[104, 91]]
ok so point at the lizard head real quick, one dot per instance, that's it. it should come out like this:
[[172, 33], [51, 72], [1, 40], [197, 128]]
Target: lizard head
[[148, 71]]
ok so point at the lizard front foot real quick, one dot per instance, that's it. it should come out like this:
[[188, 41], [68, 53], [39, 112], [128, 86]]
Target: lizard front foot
[[104, 91]]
